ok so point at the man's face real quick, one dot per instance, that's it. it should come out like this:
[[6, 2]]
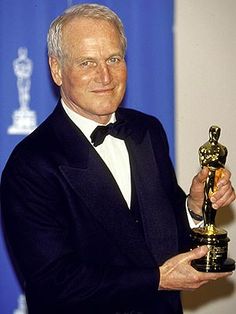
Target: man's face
[[92, 76]]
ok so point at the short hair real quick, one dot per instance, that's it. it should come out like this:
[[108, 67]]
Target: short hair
[[93, 11]]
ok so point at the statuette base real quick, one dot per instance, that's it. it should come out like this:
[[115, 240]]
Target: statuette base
[[24, 122], [217, 242]]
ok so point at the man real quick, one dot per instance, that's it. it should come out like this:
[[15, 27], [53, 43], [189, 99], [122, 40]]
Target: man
[[99, 227]]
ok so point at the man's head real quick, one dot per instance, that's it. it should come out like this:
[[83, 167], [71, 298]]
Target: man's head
[[93, 11], [214, 133], [86, 48]]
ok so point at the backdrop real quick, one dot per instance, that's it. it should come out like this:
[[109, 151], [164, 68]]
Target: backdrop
[[27, 94], [205, 76]]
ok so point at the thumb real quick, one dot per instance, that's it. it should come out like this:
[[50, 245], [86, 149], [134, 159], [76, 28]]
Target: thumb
[[202, 175], [198, 252]]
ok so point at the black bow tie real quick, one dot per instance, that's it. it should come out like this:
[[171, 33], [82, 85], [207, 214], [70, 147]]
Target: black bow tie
[[117, 129]]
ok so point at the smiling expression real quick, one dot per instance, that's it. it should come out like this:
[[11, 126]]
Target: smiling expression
[[92, 75]]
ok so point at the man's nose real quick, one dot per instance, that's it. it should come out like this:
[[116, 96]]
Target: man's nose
[[103, 74]]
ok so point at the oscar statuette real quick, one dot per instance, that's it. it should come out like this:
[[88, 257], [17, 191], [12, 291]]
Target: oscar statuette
[[212, 155]]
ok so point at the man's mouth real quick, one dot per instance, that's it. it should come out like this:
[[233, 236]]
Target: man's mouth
[[103, 90]]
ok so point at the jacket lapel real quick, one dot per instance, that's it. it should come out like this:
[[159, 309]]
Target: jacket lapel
[[156, 212], [92, 181]]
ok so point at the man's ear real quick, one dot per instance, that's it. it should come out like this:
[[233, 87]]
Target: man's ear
[[55, 68]]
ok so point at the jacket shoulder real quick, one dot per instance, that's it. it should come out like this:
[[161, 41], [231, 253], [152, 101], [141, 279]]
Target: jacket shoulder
[[139, 118]]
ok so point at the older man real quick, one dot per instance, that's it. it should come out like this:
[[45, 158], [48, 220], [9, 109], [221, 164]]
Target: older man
[[95, 219]]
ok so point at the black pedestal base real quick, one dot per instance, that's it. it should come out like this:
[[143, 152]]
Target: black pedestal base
[[216, 260], [227, 266]]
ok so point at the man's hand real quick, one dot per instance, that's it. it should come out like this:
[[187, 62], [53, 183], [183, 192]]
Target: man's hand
[[224, 195], [178, 274]]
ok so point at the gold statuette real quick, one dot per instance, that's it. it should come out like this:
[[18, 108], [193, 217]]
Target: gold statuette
[[212, 155]]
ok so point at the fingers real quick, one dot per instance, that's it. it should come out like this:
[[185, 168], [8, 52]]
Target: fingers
[[225, 193], [206, 277], [224, 178], [201, 276], [178, 274], [223, 196]]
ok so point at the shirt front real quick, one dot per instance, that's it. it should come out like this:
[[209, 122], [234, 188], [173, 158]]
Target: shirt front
[[113, 151]]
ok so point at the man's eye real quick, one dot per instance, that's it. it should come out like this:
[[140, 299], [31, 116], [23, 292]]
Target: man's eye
[[87, 64], [113, 60]]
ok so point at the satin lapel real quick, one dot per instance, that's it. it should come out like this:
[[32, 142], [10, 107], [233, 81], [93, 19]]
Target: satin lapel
[[156, 212], [92, 181]]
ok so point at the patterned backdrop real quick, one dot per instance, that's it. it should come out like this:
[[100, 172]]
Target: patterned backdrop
[[27, 94]]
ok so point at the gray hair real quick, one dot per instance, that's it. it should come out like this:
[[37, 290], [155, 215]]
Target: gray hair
[[94, 11]]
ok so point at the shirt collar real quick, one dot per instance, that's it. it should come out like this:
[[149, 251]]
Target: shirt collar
[[84, 124]]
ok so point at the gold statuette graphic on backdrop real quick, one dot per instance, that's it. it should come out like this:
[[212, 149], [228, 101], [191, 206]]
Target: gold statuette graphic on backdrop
[[212, 155]]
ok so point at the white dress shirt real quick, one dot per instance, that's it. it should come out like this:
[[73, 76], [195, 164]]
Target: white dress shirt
[[114, 153]]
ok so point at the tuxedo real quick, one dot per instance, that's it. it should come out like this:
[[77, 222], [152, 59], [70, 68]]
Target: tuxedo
[[75, 242]]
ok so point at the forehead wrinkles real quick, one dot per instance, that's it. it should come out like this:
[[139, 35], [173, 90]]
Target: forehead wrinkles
[[88, 32]]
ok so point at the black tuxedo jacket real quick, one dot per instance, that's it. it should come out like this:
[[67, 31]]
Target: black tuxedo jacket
[[68, 228]]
